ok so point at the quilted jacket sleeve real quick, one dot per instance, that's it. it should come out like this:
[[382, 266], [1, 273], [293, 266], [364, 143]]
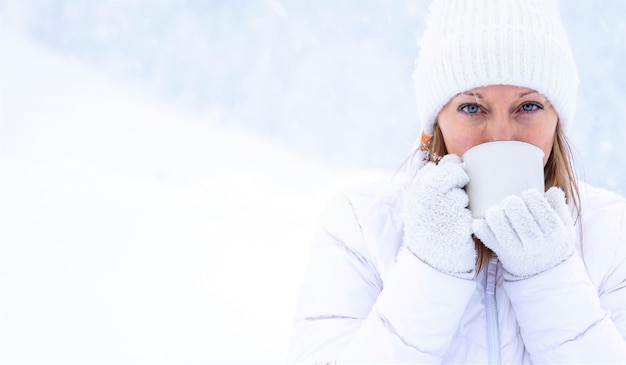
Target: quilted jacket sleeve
[[576, 312], [346, 313]]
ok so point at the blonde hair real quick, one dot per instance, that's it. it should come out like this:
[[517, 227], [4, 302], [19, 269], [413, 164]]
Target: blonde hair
[[558, 172]]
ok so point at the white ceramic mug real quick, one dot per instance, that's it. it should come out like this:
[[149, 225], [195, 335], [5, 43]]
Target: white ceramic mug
[[499, 169]]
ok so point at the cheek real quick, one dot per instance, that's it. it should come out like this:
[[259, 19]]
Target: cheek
[[545, 133], [546, 146], [457, 146], [459, 141], [544, 139]]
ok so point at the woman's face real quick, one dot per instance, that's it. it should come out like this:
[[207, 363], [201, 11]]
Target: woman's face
[[498, 113]]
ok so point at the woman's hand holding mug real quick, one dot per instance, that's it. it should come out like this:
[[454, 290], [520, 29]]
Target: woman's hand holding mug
[[437, 222], [530, 234]]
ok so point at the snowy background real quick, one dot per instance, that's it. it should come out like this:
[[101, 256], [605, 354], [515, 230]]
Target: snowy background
[[163, 163]]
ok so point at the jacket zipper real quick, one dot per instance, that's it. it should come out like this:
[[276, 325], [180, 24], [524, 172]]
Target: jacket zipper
[[493, 330]]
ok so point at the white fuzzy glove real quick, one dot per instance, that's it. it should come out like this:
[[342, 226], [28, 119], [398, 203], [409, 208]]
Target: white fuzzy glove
[[437, 223], [530, 234]]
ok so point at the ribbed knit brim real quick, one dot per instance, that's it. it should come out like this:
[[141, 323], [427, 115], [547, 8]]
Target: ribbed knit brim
[[473, 43]]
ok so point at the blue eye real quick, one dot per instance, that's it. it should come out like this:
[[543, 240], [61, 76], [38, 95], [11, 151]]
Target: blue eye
[[530, 107], [469, 108]]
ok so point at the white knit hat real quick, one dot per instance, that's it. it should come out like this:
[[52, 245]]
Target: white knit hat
[[473, 43]]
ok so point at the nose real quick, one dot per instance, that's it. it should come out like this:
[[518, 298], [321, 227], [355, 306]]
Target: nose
[[499, 128]]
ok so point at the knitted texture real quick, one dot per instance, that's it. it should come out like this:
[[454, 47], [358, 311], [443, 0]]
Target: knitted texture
[[437, 223], [473, 43], [530, 234]]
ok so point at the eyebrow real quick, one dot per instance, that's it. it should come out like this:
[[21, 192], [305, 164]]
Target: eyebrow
[[476, 95], [479, 96], [527, 93]]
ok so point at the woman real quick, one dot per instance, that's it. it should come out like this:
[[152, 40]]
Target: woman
[[401, 272]]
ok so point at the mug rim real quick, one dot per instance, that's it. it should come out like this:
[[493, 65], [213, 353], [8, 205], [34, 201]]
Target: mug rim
[[483, 145]]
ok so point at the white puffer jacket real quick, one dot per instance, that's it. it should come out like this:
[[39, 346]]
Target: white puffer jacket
[[359, 280]]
